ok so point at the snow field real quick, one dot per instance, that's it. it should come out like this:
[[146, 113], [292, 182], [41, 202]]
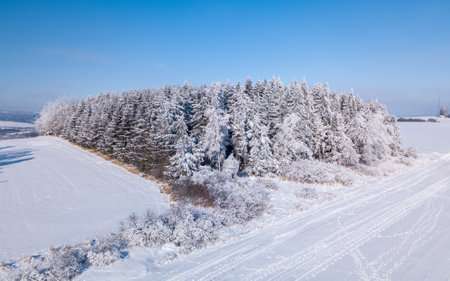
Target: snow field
[[53, 193], [427, 137], [13, 124]]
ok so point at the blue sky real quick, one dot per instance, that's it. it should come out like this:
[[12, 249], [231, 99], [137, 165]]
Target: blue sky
[[396, 51]]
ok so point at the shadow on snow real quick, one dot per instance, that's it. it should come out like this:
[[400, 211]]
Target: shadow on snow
[[14, 156]]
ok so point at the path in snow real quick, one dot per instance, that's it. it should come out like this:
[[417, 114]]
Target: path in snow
[[54, 193]]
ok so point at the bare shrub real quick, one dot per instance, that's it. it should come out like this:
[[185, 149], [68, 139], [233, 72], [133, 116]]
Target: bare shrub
[[307, 193], [187, 191], [157, 171], [411, 152]]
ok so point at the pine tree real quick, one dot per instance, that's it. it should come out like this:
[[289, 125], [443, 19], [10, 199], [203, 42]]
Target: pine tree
[[289, 143], [175, 130], [238, 112], [215, 137], [184, 162], [261, 159]]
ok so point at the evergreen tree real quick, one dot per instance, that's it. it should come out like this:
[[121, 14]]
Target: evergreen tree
[[215, 137], [174, 130], [261, 160], [289, 143], [238, 112]]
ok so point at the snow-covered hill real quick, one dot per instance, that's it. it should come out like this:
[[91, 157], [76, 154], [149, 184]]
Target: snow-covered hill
[[53, 193]]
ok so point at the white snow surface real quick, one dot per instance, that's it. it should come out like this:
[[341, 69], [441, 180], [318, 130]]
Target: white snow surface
[[13, 124], [53, 193], [387, 228], [427, 136]]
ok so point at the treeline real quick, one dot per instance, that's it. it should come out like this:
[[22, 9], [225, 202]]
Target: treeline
[[258, 128]]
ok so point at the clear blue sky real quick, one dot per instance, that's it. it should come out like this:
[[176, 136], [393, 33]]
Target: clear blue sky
[[396, 51]]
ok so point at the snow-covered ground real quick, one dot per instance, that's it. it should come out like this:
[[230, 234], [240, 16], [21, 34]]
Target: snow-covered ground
[[53, 193], [394, 228], [427, 137], [391, 228]]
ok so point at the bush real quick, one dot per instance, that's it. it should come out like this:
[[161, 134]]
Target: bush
[[186, 191], [310, 171], [239, 199], [411, 152], [56, 264], [105, 250], [236, 201]]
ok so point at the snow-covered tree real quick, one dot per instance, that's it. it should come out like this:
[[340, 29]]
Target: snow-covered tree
[[215, 137], [261, 160], [262, 126], [238, 112], [289, 142]]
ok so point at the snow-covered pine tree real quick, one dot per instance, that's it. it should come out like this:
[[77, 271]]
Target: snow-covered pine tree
[[238, 112], [289, 142], [215, 137], [106, 108], [343, 152], [261, 160], [82, 122], [184, 162], [261, 125], [199, 101], [274, 94], [185, 158], [320, 120]]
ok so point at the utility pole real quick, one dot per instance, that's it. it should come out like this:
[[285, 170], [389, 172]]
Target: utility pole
[[442, 109]]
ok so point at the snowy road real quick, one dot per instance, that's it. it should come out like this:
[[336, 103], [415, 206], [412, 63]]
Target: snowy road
[[53, 193], [395, 229]]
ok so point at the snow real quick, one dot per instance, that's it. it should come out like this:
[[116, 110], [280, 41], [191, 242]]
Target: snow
[[13, 124], [390, 228], [53, 193], [427, 136], [385, 228]]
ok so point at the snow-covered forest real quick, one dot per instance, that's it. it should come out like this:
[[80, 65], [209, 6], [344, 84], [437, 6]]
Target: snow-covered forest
[[258, 128], [201, 139]]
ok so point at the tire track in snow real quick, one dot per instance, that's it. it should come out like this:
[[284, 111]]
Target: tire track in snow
[[215, 268], [335, 246], [385, 263]]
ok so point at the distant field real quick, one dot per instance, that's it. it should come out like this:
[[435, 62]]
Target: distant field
[[18, 116], [14, 124], [427, 136]]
